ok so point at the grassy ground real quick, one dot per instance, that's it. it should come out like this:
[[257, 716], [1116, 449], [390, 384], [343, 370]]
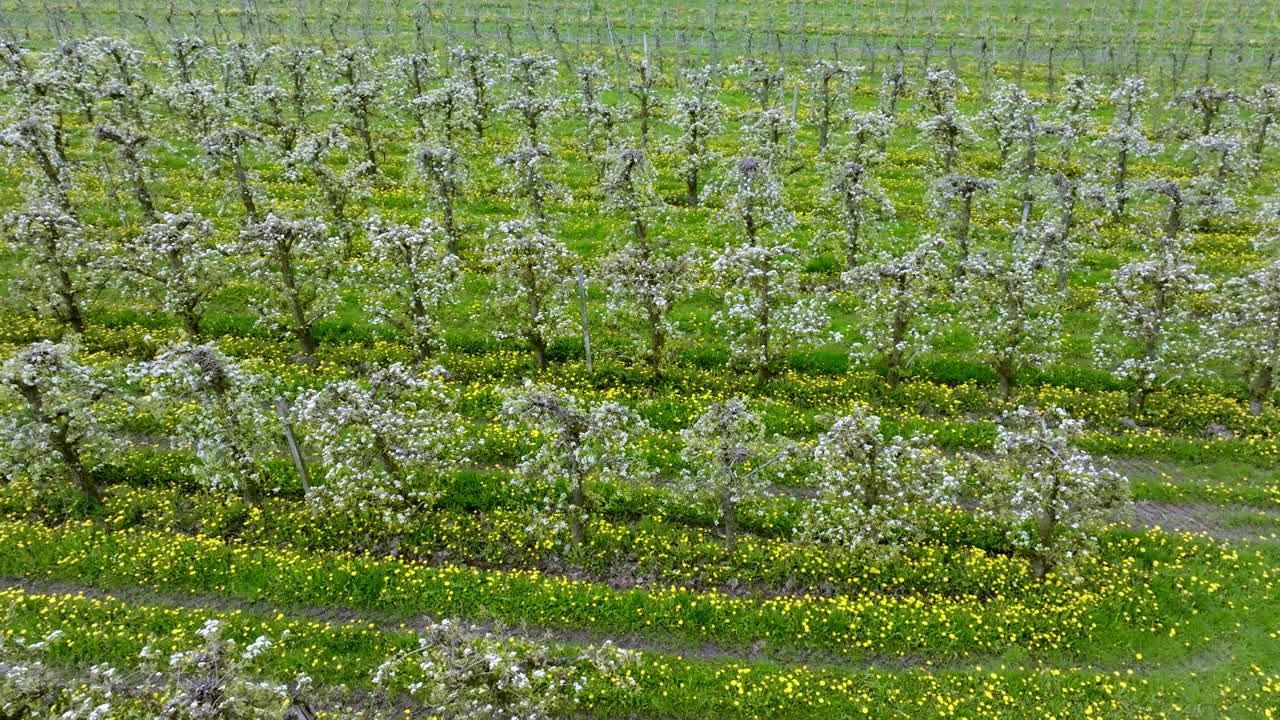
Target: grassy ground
[[1178, 622]]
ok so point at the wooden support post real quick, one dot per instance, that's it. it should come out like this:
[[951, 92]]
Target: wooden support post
[[282, 412]]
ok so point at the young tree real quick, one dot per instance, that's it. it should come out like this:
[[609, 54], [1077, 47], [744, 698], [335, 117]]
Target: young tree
[[533, 99], [698, 116], [760, 79], [296, 262], [386, 444], [866, 135], [189, 96], [644, 275], [953, 200], [875, 490], [297, 101], [855, 199], [411, 276], [60, 265], [602, 118], [642, 88], [766, 314], [527, 168], [311, 159], [769, 135], [1008, 114], [465, 674], [442, 169], [1146, 316], [445, 111], [578, 443], [1025, 327], [893, 85], [1248, 330], [531, 297], [131, 148], [175, 260], [225, 149], [1126, 139], [729, 459], [1055, 497], [34, 139], [39, 88], [829, 81], [944, 126], [222, 417], [408, 77], [479, 71], [895, 289], [55, 436], [1209, 109], [357, 95], [1265, 107], [1074, 114]]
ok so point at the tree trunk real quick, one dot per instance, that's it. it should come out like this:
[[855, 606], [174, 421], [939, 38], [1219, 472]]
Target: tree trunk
[[729, 513], [1260, 389]]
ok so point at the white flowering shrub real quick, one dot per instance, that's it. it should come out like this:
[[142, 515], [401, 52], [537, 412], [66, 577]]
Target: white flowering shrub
[[765, 315], [1125, 140], [729, 459], [874, 492], [441, 168], [54, 438], [462, 673], [60, 265], [574, 444], [296, 262], [894, 291], [856, 200], [644, 276], [698, 116], [197, 102], [1055, 497], [223, 416], [1010, 303], [532, 292], [386, 444], [532, 98], [176, 261], [1144, 336], [410, 278]]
